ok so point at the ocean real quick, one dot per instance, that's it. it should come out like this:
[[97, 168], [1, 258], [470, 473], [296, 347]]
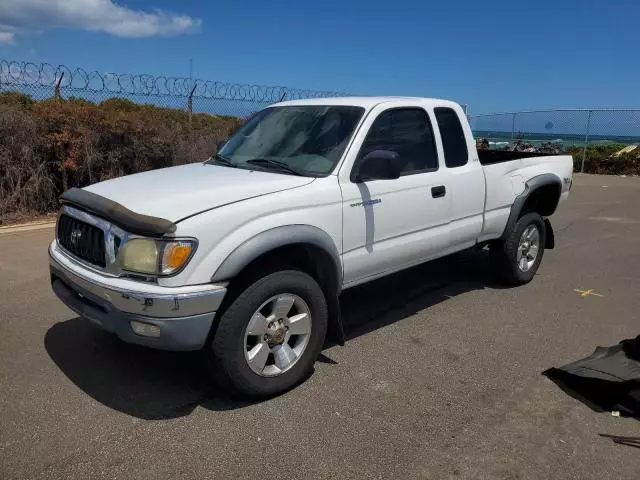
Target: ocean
[[501, 139]]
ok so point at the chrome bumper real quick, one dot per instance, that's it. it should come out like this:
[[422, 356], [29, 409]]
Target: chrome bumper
[[183, 314]]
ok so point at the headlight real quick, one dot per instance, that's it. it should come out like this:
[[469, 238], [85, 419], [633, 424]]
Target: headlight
[[156, 257]]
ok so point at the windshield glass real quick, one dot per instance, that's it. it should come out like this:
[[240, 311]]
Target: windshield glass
[[303, 139]]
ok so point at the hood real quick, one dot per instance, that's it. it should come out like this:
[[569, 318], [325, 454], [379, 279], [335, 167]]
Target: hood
[[178, 192]]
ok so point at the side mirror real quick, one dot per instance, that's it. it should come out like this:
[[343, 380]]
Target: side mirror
[[376, 165]]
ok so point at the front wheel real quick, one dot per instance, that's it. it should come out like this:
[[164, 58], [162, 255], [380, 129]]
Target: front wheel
[[518, 257], [270, 336]]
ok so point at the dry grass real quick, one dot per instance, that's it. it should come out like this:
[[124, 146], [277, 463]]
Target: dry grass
[[49, 146]]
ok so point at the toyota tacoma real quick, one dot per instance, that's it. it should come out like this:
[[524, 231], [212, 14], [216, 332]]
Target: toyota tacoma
[[245, 255]]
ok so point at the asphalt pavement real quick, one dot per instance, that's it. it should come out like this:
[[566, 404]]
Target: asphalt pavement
[[440, 378]]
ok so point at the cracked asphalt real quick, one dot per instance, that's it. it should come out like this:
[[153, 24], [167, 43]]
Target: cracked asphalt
[[440, 378]]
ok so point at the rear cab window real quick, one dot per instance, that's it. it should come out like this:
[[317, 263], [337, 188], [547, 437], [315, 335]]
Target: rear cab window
[[454, 142]]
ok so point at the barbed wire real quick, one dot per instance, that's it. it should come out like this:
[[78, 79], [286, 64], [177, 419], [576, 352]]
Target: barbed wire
[[28, 74]]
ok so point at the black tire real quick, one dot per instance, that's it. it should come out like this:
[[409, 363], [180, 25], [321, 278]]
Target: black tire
[[504, 253], [226, 356]]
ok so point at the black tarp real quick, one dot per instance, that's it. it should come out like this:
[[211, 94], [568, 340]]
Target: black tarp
[[606, 380]]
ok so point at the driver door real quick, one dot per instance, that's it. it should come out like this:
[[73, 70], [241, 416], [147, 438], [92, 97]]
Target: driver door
[[392, 224]]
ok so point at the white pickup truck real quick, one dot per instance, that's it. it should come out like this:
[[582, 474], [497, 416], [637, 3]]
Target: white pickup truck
[[246, 254]]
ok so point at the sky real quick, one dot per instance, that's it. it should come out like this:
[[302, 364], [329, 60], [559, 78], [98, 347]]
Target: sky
[[493, 55]]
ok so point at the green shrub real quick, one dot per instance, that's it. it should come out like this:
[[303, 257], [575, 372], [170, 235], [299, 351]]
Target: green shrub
[[600, 159], [16, 98]]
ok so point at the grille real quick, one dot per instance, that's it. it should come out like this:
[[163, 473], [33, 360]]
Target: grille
[[81, 239]]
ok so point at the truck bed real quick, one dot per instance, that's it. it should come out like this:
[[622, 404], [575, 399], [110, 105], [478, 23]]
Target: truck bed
[[506, 176], [489, 157]]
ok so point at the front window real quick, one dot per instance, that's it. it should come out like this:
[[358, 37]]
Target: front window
[[307, 140], [406, 132]]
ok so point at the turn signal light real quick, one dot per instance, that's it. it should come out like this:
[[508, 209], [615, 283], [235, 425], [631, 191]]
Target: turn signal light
[[175, 256]]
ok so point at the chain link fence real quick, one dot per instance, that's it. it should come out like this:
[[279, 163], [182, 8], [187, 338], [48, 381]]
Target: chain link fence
[[62, 127], [563, 130]]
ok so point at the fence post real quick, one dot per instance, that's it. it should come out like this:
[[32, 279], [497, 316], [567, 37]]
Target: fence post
[[190, 103], [586, 141], [513, 126], [56, 88], [190, 110]]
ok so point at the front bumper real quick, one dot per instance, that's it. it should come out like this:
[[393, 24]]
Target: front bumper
[[183, 315]]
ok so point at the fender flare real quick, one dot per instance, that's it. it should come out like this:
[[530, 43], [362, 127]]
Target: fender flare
[[271, 239], [530, 186]]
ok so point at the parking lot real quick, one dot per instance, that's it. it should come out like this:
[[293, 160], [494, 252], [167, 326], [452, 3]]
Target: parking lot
[[440, 378]]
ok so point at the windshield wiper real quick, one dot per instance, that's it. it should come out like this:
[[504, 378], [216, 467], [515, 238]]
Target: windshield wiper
[[223, 160], [283, 166]]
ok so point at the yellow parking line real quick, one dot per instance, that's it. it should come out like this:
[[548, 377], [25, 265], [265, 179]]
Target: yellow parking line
[[586, 293]]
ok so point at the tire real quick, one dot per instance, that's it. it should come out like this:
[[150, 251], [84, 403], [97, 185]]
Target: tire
[[505, 253], [228, 356]]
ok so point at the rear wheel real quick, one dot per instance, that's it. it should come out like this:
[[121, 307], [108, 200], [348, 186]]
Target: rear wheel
[[518, 257], [270, 336]]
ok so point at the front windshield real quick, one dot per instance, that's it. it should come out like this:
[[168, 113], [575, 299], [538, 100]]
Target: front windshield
[[307, 139]]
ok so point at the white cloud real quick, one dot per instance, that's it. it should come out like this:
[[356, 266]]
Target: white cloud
[[6, 38], [23, 16]]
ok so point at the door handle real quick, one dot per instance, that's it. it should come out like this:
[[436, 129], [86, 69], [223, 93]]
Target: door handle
[[438, 192]]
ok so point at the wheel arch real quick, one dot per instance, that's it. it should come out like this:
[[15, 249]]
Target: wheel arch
[[274, 239], [303, 247], [541, 195]]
